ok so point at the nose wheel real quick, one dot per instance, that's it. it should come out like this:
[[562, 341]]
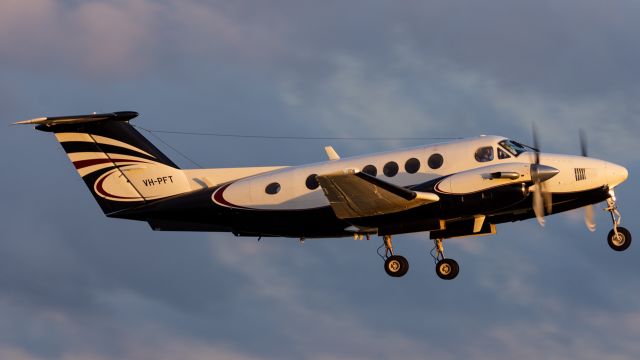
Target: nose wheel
[[446, 269], [394, 265], [619, 238]]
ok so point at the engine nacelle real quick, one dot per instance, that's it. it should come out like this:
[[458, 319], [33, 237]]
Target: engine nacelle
[[484, 178], [481, 202]]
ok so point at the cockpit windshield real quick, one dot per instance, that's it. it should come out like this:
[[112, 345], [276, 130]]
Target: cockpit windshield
[[514, 147]]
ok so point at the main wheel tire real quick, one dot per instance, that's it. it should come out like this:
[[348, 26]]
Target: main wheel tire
[[620, 242], [396, 266], [405, 265], [447, 269]]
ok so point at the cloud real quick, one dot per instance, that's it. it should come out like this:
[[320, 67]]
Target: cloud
[[313, 318], [563, 48], [10, 352], [77, 339], [608, 122], [567, 49], [525, 340], [95, 36], [385, 103], [112, 36], [188, 350], [102, 39]]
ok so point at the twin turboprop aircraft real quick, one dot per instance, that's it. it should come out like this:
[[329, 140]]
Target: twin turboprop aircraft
[[460, 188]]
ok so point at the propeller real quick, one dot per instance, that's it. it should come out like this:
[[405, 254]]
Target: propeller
[[589, 213], [539, 174], [589, 218], [538, 207], [583, 143]]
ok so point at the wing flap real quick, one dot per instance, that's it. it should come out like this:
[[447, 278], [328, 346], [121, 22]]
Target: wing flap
[[355, 194]]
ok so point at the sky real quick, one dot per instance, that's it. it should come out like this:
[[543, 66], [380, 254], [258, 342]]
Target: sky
[[76, 285]]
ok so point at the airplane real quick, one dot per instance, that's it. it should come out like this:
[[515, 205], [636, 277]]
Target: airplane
[[454, 189]]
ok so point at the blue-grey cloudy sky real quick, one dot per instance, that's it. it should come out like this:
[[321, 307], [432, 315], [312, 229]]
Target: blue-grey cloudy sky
[[76, 285]]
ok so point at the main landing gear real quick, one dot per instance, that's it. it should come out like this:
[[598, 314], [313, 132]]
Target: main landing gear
[[397, 266], [619, 238], [394, 265], [446, 269]]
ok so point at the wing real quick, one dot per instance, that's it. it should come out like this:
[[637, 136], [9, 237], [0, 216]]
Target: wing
[[355, 194]]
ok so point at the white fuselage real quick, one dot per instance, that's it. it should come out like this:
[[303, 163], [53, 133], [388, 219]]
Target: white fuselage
[[576, 174]]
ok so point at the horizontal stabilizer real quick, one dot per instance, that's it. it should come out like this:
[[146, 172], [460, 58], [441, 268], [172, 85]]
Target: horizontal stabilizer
[[76, 119], [355, 194]]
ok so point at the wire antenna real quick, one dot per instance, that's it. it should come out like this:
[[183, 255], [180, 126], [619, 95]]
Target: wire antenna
[[151, 132], [279, 137]]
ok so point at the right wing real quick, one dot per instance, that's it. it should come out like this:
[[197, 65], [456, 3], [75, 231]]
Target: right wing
[[355, 194]]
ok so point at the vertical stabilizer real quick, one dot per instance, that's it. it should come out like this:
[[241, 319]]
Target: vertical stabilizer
[[120, 166]]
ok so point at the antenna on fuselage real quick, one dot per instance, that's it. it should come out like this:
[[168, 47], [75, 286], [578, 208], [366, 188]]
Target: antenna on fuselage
[[331, 153]]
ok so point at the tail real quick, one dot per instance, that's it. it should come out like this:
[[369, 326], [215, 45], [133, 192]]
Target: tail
[[120, 166]]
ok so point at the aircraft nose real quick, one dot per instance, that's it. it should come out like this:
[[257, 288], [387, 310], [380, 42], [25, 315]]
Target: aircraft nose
[[616, 174]]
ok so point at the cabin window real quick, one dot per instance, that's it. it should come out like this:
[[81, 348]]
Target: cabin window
[[502, 154], [272, 188], [370, 170], [435, 161], [390, 169], [412, 165], [484, 154], [312, 182]]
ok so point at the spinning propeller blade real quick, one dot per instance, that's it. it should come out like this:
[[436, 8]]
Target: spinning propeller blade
[[589, 214], [583, 143], [539, 174], [538, 207], [536, 146]]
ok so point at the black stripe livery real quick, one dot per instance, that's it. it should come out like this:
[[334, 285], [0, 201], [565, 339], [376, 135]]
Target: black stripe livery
[[113, 126]]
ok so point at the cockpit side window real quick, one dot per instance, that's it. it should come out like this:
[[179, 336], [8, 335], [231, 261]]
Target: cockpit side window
[[514, 147], [502, 154], [484, 154]]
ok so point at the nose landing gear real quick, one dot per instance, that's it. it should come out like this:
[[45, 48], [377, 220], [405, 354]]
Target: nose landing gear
[[394, 265], [619, 238]]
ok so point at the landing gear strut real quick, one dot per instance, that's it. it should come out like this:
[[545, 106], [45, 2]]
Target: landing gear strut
[[619, 238], [394, 265], [446, 269]]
